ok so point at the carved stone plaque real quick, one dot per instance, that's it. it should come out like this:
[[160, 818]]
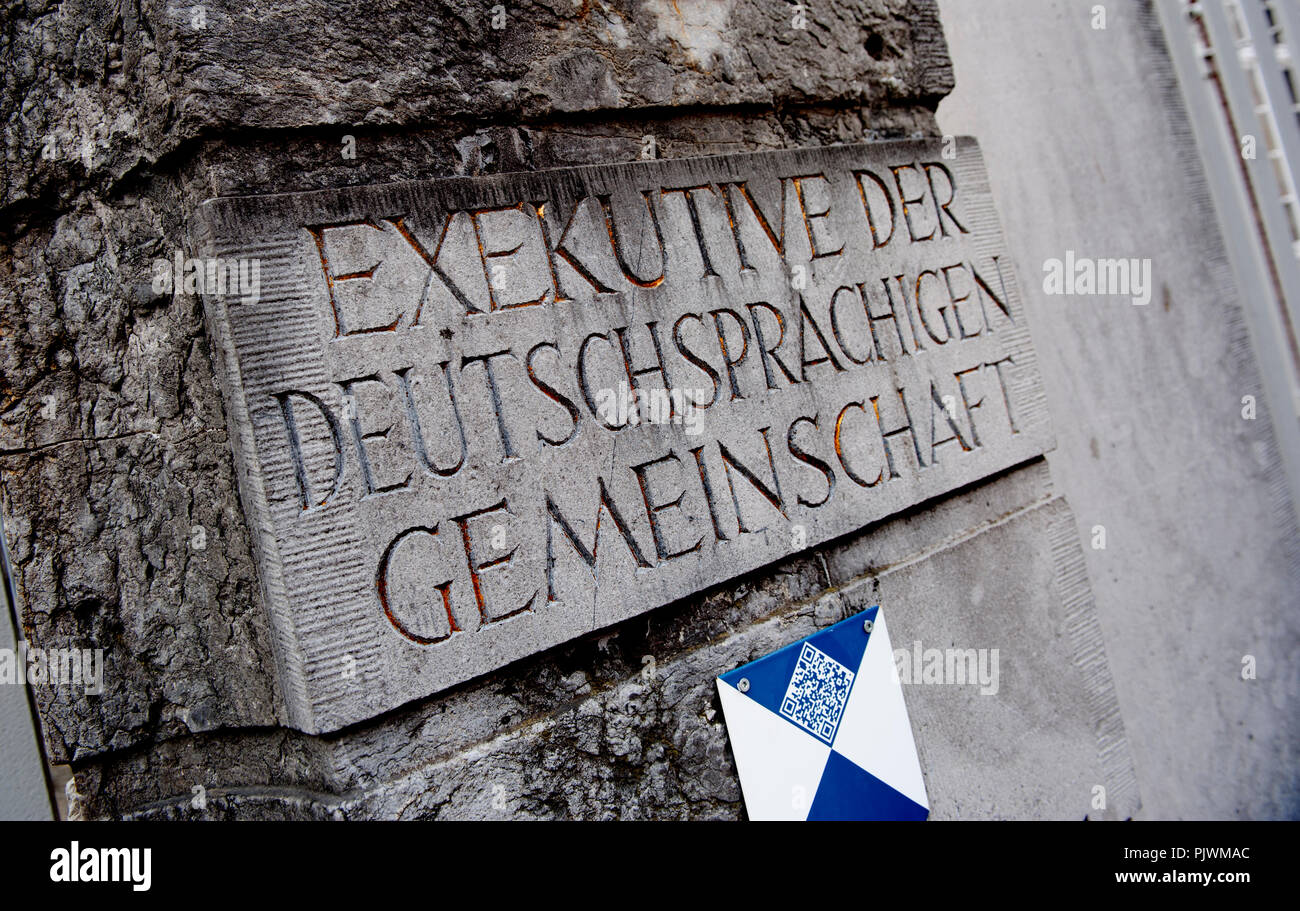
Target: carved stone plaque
[[478, 417]]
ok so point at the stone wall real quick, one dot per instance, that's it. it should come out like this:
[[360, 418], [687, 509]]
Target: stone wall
[[119, 493]]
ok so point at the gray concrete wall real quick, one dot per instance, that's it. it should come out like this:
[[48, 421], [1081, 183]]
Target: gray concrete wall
[[1089, 150]]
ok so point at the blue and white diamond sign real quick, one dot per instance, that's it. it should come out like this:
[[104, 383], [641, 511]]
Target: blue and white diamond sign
[[819, 729]]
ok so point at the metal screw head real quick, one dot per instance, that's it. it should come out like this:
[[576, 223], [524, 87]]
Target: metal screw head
[[866, 626], [743, 685]]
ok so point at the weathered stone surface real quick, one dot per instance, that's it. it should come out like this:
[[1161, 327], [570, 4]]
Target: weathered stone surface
[[429, 385], [114, 459], [121, 513], [98, 92], [626, 724]]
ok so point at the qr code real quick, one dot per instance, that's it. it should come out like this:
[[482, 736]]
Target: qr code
[[818, 690]]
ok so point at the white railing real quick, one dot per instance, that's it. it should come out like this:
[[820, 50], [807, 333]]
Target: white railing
[[1238, 64]]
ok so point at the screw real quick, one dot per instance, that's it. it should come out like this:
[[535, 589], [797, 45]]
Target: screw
[[743, 685], [866, 626]]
